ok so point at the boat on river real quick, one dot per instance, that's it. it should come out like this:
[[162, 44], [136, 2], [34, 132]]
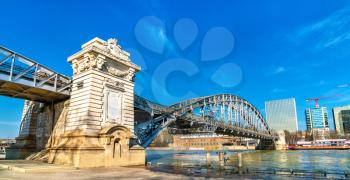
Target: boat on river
[[325, 144]]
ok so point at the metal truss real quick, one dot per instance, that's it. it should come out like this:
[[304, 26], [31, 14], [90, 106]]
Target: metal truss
[[20, 76], [148, 106], [222, 114]]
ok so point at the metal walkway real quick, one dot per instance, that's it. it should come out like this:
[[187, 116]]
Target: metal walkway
[[21, 77]]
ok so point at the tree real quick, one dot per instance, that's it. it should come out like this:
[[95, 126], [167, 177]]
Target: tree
[[334, 135], [291, 138], [309, 136]]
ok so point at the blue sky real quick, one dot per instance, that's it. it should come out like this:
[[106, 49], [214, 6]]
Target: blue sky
[[258, 50]]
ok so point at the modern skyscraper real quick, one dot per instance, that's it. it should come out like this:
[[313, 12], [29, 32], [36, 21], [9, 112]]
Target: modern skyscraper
[[317, 118], [282, 115], [341, 116]]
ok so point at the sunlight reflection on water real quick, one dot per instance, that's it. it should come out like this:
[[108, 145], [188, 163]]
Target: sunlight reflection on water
[[327, 160]]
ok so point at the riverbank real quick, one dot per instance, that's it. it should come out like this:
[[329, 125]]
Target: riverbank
[[201, 165], [146, 173], [105, 173]]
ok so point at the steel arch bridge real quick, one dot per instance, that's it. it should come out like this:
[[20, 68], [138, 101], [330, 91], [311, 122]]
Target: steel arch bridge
[[222, 114]]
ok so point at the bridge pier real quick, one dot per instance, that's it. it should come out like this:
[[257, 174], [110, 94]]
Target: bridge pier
[[26, 141], [99, 130], [95, 127], [269, 144], [266, 145]]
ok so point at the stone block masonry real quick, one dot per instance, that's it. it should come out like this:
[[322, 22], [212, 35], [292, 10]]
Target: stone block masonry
[[95, 127], [88, 108]]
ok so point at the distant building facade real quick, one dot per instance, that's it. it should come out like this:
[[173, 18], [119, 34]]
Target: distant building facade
[[341, 116], [282, 114], [317, 119], [202, 141]]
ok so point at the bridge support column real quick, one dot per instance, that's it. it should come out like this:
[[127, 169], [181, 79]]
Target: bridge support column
[[99, 130], [279, 144], [266, 144], [281, 141], [26, 141]]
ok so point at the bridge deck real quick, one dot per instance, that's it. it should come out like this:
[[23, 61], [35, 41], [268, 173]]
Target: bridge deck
[[23, 91], [21, 77]]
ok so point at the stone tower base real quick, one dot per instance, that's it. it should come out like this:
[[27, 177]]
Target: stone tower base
[[266, 145], [113, 146], [23, 148], [278, 144]]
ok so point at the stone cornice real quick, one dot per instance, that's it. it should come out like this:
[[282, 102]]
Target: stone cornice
[[90, 47]]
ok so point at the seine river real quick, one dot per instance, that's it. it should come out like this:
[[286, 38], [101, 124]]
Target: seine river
[[322, 163]]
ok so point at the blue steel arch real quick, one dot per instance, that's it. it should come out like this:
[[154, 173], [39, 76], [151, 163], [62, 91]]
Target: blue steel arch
[[222, 113]]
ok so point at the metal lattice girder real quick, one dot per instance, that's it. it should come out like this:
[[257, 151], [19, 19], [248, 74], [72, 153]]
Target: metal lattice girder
[[147, 105], [24, 78], [223, 113]]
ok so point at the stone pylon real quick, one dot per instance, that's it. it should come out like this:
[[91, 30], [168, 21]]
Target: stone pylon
[[99, 127], [26, 140]]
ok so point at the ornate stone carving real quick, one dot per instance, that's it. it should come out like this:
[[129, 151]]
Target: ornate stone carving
[[131, 75], [89, 61], [75, 67], [113, 48], [106, 56], [128, 75], [116, 72], [115, 84]]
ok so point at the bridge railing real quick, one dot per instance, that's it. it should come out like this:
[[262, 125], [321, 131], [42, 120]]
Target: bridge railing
[[148, 105], [20, 69]]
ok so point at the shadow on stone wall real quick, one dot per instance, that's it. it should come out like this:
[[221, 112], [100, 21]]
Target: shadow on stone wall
[[51, 120]]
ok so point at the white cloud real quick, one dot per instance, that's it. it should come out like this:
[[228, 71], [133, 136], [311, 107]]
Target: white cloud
[[275, 70], [339, 96], [338, 100], [327, 32], [280, 69]]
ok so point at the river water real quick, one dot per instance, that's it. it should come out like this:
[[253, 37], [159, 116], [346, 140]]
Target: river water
[[323, 163]]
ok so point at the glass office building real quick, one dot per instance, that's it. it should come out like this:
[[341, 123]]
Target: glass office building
[[316, 118], [282, 115], [341, 116]]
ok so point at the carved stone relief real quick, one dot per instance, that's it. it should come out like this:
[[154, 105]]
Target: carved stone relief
[[113, 48], [105, 56], [89, 61], [115, 84]]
